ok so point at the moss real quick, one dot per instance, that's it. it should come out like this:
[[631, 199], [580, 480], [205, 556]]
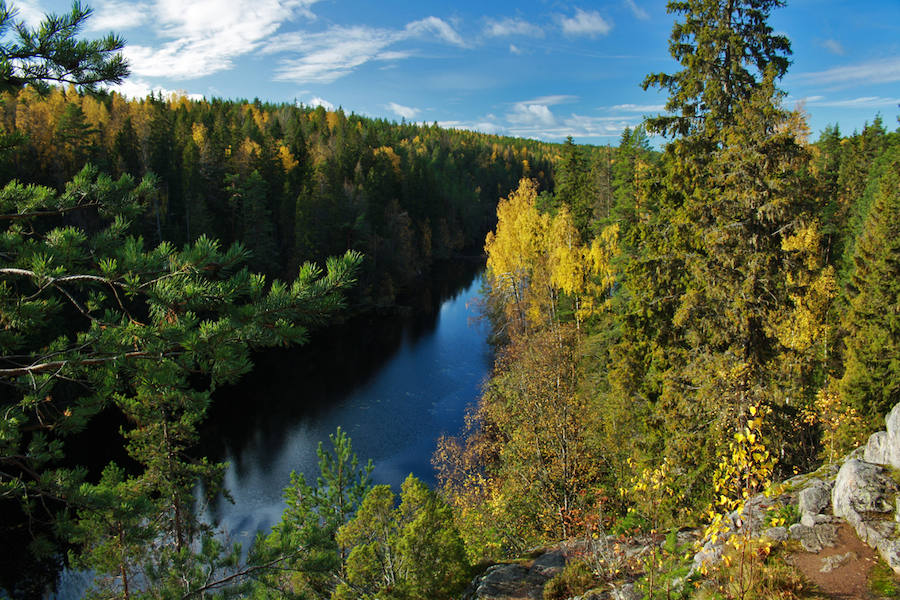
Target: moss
[[883, 581]]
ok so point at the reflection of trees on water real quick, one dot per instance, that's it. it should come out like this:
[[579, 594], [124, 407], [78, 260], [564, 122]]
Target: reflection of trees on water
[[288, 386]]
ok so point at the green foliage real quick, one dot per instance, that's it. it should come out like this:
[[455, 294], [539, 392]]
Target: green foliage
[[782, 515], [52, 52], [724, 49], [93, 320], [871, 382], [304, 542], [411, 552]]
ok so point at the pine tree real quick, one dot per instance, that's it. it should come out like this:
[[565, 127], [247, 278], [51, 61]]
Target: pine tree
[[52, 53]]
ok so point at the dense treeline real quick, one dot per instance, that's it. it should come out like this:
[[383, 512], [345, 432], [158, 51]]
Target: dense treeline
[[291, 183], [741, 283]]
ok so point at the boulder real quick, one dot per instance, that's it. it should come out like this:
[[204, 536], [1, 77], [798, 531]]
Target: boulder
[[864, 494], [816, 497], [877, 448], [892, 421], [862, 487], [512, 581]]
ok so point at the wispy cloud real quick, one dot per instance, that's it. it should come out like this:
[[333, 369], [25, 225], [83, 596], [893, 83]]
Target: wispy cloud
[[115, 15], [588, 23], [207, 35], [435, 26], [405, 112], [636, 10], [639, 108], [29, 11], [329, 55], [886, 70], [512, 27], [834, 46], [862, 102], [513, 49]]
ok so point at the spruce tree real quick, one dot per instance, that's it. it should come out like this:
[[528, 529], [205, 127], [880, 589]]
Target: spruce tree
[[713, 277], [871, 381]]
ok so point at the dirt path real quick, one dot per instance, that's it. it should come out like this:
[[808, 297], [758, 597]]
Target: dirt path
[[848, 578]]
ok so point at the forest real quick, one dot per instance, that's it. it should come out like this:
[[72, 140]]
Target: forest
[[675, 328]]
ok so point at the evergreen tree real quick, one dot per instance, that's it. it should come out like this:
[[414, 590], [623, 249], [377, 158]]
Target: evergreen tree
[[52, 52], [871, 381], [411, 552], [725, 47]]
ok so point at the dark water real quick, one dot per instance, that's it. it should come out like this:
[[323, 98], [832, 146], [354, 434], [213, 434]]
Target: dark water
[[394, 384]]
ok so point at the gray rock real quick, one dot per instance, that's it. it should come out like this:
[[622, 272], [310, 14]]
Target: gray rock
[[862, 487], [501, 582], [813, 539], [509, 581], [813, 520], [776, 534], [816, 497], [857, 454], [625, 592], [836, 561], [549, 564], [862, 494], [893, 437], [877, 448], [826, 533]]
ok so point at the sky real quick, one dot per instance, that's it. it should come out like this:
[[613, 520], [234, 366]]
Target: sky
[[545, 69]]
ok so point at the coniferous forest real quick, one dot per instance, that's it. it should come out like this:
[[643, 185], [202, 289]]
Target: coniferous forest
[[679, 321]]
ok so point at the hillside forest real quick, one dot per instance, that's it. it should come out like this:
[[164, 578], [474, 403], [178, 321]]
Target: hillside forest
[[710, 306]]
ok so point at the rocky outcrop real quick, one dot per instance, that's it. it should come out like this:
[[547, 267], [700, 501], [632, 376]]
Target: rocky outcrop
[[518, 581], [865, 495], [883, 447]]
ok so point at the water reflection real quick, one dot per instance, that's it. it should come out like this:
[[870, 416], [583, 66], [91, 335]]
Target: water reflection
[[394, 384]]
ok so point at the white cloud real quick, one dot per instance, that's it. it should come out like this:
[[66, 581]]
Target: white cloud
[[114, 15], [29, 11], [588, 23], [435, 26], [536, 113], [509, 27], [834, 46], [329, 55], [886, 70], [513, 49], [137, 88], [532, 115], [638, 12], [862, 102], [405, 112], [639, 108], [316, 101], [207, 35]]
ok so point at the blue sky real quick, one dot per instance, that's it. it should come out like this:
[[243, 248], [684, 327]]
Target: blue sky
[[544, 69]]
